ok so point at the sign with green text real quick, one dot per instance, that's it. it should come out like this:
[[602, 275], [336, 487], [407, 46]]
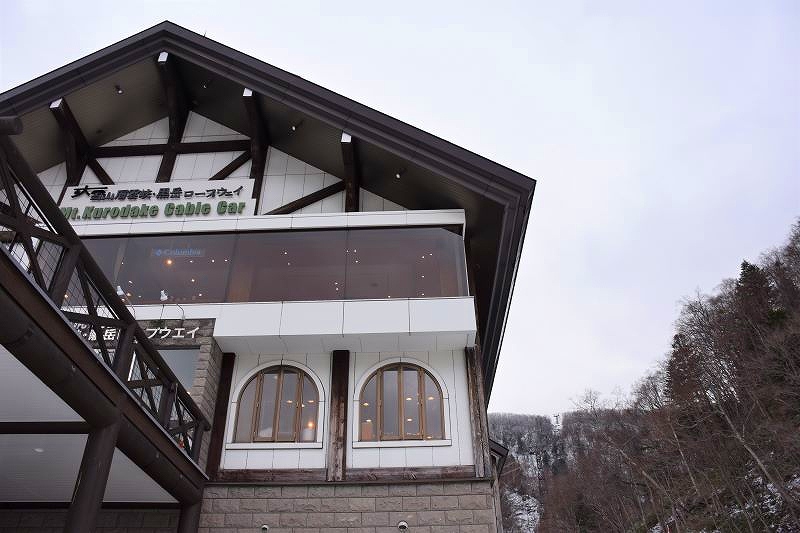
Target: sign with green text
[[178, 200]]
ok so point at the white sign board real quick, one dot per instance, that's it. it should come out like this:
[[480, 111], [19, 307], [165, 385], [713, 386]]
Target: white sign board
[[176, 200]]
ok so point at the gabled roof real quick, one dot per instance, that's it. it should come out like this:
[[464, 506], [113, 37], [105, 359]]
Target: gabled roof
[[435, 173]]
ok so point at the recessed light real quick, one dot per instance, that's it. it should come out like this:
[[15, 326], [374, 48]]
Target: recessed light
[[38, 450], [118, 89]]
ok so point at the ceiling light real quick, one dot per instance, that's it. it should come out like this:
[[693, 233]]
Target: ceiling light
[[199, 293], [168, 262], [192, 280], [409, 419], [38, 450], [408, 399], [213, 260], [118, 89], [365, 404], [430, 398], [131, 282], [128, 294]]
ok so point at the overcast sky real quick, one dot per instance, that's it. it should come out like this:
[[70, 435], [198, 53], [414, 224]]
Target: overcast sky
[[665, 138]]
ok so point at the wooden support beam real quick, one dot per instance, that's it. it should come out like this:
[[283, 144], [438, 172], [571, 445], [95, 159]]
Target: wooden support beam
[[352, 173], [178, 109], [477, 410], [10, 125], [189, 518], [229, 169], [337, 444], [177, 102], [87, 498], [236, 145], [76, 149], [217, 437], [259, 141], [44, 428], [309, 199], [100, 172]]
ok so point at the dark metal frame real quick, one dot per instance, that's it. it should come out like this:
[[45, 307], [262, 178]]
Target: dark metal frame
[[43, 244]]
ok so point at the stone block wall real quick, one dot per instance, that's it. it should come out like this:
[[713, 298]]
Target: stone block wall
[[109, 521], [439, 507]]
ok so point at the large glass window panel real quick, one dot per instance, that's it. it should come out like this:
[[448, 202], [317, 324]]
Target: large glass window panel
[[244, 417], [303, 265], [369, 263], [434, 419], [390, 412], [308, 411], [288, 407], [368, 419], [269, 392]]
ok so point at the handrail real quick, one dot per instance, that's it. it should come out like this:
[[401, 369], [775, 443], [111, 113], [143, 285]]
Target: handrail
[[36, 235]]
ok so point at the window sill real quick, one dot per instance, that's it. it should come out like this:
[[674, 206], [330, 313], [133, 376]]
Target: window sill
[[272, 445], [402, 443]]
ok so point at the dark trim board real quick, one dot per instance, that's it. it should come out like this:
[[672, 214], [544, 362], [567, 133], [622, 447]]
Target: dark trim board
[[134, 506], [44, 428], [310, 475], [352, 476]]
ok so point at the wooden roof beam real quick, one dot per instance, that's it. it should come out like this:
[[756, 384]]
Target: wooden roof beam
[[177, 107], [77, 152], [352, 173], [259, 140]]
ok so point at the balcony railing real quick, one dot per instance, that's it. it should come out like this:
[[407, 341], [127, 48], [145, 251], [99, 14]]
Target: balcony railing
[[34, 233]]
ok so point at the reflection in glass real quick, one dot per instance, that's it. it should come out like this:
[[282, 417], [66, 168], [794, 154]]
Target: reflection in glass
[[433, 409], [244, 417], [288, 407], [308, 411], [285, 266], [390, 412], [266, 419], [369, 410], [410, 402]]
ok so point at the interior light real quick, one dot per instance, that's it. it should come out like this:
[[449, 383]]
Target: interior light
[[365, 404], [168, 262], [66, 295], [289, 264], [192, 280], [118, 89], [368, 420], [408, 399], [128, 294], [164, 296], [226, 259], [38, 450], [213, 261], [423, 294], [409, 419], [356, 260], [200, 294], [288, 401], [129, 281], [431, 398], [120, 292], [397, 175], [310, 401], [310, 424], [191, 260]]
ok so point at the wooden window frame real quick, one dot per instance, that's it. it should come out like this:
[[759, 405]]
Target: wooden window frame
[[255, 415], [423, 433]]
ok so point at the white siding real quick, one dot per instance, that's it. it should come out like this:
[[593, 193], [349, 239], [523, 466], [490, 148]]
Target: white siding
[[288, 178]]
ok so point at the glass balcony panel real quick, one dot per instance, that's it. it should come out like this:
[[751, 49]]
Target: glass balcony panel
[[374, 263]]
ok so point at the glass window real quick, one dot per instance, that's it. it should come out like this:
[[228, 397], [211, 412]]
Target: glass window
[[285, 411], [366, 263], [410, 404], [183, 363]]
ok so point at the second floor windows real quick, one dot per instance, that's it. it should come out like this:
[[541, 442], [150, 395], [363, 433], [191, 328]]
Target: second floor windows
[[279, 404], [401, 402]]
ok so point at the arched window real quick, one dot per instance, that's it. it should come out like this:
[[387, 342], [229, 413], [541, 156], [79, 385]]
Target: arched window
[[401, 402], [279, 404]]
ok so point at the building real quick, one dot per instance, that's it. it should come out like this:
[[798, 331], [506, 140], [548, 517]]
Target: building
[[233, 300]]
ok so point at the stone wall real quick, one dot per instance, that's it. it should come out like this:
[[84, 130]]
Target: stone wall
[[439, 507], [109, 521]]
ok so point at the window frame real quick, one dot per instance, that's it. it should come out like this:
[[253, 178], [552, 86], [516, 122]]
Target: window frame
[[255, 415], [420, 438]]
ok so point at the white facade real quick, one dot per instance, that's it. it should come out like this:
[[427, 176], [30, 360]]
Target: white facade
[[429, 332]]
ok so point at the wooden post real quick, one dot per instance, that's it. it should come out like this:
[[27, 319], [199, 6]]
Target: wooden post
[[217, 438], [90, 486], [352, 171], [189, 518], [337, 443], [477, 409]]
